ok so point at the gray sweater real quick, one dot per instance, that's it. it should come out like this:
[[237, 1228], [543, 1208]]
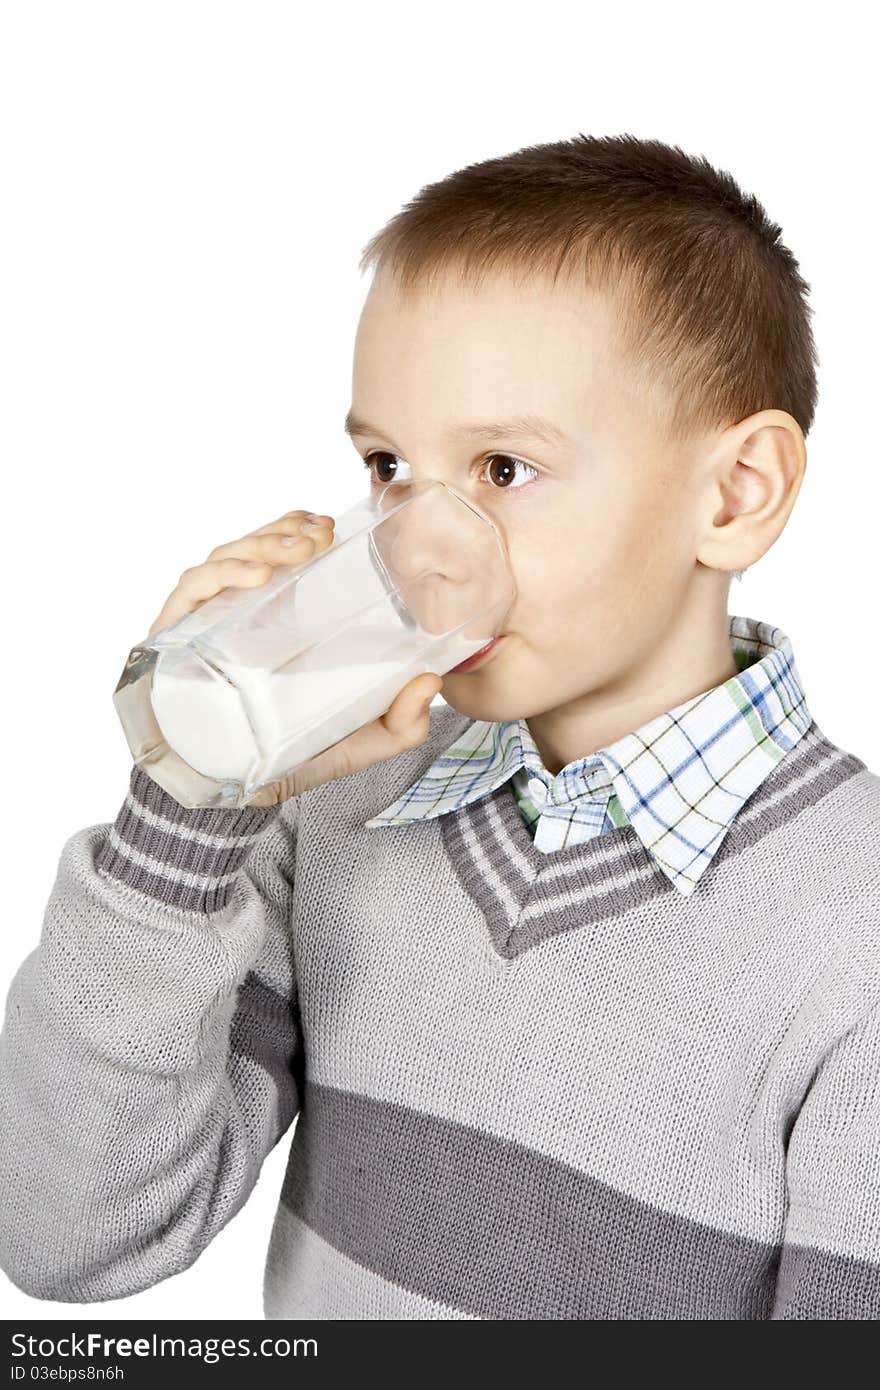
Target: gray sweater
[[604, 1102]]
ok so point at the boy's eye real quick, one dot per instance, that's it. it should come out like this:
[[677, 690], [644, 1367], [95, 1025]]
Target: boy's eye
[[381, 475], [502, 468]]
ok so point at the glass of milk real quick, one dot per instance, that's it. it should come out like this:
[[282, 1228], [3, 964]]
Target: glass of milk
[[255, 682]]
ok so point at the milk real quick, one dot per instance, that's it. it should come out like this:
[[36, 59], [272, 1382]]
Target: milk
[[253, 713]]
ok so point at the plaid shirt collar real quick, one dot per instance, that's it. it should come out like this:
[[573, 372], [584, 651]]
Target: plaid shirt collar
[[679, 780]]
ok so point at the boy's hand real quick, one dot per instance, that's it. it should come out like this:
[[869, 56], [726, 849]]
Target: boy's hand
[[245, 564], [405, 724]]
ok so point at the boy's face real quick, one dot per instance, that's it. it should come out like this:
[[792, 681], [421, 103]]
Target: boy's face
[[601, 528]]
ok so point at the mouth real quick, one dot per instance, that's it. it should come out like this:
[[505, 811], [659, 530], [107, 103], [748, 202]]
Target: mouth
[[477, 657]]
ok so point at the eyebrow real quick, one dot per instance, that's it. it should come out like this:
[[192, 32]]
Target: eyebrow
[[522, 427]]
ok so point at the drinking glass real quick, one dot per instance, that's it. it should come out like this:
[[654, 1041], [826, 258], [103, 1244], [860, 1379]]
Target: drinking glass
[[254, 682]]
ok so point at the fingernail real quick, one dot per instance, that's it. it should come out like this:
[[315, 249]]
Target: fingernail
[[289, 540], [315, 526]]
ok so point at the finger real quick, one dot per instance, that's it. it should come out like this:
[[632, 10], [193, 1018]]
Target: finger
[[408, 715], [267, 542], [202, 582], [271, 795], [289, 522], [243, 564], [406, 724]]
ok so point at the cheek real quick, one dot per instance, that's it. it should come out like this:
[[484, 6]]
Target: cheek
[[640, 514], [589, 561], [558, 564]]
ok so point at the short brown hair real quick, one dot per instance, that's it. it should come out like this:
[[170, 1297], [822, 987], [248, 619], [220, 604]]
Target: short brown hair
[[713, 302]]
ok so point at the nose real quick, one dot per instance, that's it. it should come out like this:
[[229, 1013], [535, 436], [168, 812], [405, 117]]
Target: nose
[[421, 534], [442, 557]]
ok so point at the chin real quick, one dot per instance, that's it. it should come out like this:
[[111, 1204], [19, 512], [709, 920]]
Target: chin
[[467, 696]]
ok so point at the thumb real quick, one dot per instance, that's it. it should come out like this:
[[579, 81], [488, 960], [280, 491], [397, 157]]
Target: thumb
[[408, 719], [406, 724]]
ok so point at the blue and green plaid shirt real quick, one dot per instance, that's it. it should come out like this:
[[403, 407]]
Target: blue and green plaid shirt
[[679, 779]]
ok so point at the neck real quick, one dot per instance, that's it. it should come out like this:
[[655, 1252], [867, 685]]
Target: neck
[[692, 655]]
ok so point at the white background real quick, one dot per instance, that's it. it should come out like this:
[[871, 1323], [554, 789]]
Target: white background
[[186, 188]]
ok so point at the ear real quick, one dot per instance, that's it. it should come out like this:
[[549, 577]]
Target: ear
[[753, 482]]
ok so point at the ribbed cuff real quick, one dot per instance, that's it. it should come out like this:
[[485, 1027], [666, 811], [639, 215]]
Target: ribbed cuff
[[181, 857]]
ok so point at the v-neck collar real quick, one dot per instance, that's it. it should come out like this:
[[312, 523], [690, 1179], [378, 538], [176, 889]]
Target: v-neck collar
[[526, 896]]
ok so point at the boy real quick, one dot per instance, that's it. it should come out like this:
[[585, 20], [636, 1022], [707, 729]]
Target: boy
[[574, 988]]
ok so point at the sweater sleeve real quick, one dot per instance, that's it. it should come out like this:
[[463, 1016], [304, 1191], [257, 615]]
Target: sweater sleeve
[[150, 1056], [830, 1264]]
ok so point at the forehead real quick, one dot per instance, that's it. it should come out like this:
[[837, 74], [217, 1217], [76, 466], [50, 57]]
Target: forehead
[[522, 343]]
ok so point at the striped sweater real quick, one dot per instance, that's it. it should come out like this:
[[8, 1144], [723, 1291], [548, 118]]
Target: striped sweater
[[526, 1085]]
